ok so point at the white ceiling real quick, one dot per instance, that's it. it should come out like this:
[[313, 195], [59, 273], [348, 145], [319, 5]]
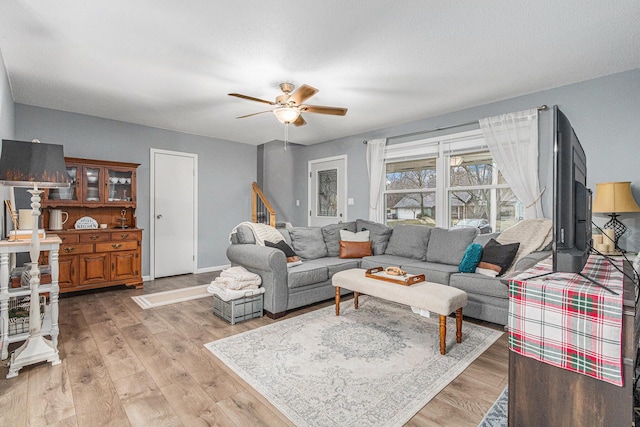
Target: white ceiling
[[170, 64]]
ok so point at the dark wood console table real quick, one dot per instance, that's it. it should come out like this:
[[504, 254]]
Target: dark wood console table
[[544, 395]]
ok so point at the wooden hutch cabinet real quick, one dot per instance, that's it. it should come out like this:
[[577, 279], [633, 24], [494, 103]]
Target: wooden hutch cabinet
[[101, 193]]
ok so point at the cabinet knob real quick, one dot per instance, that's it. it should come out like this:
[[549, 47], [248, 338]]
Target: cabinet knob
[[67, 250], [116, 245], [94, 237], [124, 236], [159, 216]]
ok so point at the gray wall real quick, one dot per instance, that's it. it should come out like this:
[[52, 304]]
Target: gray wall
[[7, 123], [224, 185], [604, 112]]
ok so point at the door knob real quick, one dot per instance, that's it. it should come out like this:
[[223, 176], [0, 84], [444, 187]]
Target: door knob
[[159, 216]]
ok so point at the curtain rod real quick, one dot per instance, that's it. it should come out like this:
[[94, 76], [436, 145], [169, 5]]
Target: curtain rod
[[543, 107]]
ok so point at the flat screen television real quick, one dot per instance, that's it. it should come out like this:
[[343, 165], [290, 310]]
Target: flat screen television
[[572, 238]]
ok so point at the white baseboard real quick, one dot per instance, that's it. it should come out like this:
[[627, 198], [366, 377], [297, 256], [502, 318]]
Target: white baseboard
[[214, 268], [199, 271]]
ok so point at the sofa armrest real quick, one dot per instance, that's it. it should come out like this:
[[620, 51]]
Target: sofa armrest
[[271, 265]]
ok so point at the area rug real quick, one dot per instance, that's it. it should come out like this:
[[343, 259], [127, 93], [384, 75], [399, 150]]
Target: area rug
[[375, 366], [170, 297], [497, 415]]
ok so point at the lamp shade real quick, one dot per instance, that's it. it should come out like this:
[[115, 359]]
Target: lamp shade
[[25, 164], [286, 114], [614, 197]]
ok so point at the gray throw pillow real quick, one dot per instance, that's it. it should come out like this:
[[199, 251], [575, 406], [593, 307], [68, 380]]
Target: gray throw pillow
[[308, 242], [448, 246], [245, 235], [331, 235], [409, 241], [379, 234]]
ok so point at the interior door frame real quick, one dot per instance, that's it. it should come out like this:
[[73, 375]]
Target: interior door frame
[[152, 206], [311, 197]]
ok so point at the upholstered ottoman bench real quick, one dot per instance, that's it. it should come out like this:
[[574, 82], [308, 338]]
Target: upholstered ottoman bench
[[434, 297]]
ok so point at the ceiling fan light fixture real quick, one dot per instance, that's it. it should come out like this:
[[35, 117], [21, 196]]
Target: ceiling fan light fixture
[[287, 114]]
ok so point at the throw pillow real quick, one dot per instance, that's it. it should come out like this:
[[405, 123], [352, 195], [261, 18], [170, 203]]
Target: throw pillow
[[409, 241], [331, 235], [471, 258], [499, 255], [355, 249], [292, 258], [448, 246], [379, 234], [308, 242], [487, 269], [360, 236]]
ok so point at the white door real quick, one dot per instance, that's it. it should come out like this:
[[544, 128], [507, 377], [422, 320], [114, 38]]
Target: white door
[[327, 191], [173, 210]]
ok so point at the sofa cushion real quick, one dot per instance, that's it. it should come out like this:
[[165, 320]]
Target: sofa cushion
[[306, 274], [480, 285], [482, 239], [448, 246], [245, 235], [285, 235], [331, 236], [500, 255], [433, 272], [355, 249], [471, 258], [379, 234], [335, 264], [308, 242], [383, 261], [409, 241]]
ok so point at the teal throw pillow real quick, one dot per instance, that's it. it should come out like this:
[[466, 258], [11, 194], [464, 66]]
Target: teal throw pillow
[[471, 258]]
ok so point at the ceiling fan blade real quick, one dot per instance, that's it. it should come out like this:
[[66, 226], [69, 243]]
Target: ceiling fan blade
[[303, 93], [251, 98], [319, 109], [253, 114], [299, 121]]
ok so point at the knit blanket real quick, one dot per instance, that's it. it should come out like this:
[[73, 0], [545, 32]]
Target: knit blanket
[[237, 278], [532, 234], [261, 232]]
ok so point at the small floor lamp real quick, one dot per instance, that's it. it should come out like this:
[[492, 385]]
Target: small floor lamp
[[613, 198], [32, 164]]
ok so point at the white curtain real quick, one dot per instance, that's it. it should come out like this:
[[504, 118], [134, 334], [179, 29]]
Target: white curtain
[[375, 167], [513, 141]]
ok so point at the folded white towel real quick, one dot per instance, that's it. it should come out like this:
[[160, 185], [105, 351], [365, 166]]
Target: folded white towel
[[231, 283], [230, 294], [240, 274]]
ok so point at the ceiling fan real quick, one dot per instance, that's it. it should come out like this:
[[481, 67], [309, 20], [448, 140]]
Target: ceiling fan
[[290, 105]]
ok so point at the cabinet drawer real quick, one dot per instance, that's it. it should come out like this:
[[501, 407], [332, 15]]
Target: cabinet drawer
[[94, 237], [125, 235], [68, 238], [81, 248], [116, 246]]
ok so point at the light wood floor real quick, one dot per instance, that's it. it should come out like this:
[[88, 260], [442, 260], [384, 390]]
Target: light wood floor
[[122, 366]]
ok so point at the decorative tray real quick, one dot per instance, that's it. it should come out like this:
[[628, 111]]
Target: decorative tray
[[378, 273]]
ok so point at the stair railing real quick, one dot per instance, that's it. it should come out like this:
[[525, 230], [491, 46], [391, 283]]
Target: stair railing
[[261, 210]]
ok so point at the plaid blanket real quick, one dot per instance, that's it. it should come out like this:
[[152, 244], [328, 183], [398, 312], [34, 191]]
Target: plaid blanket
[[567, 321]]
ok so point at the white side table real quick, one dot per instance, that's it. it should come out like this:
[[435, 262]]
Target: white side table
[[50, 323]]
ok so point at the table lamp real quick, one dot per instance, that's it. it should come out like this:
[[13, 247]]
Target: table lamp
[[613, 198], [32, 164]]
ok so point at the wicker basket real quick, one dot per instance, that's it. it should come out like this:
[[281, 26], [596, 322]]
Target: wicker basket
[[19, 314]]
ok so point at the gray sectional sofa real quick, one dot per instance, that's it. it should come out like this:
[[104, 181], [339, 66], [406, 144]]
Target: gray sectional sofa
[[435, 252]]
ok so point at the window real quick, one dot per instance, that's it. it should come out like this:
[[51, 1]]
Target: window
[[450, 182]]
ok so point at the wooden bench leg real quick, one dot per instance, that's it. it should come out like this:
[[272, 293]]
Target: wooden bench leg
[[355, 300], [443, 334], [459, 325], [337, 301]]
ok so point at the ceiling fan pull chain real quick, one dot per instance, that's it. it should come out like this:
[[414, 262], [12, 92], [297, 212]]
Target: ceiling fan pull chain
[[286, 135]]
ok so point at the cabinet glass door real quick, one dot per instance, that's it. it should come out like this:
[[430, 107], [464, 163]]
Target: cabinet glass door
[[120, 185], [70, 193], [92, 179]]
